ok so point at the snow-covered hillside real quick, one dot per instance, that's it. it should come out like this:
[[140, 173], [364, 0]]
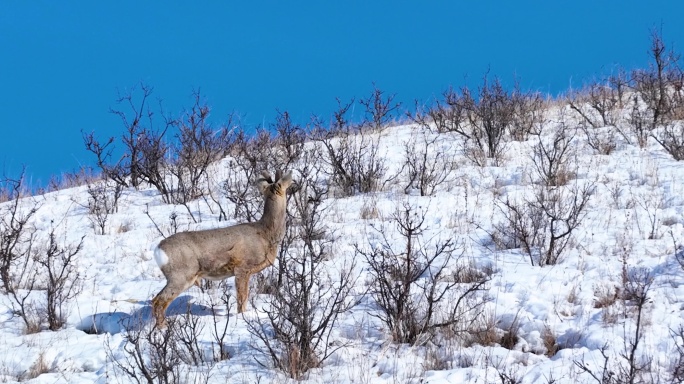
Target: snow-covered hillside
[[609, 295]]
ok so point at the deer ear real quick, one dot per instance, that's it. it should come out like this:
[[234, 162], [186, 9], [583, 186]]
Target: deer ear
[[262, 185], [267, 176], [285, 181]]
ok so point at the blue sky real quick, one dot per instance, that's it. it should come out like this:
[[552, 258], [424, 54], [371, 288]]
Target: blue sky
[[61, 63]]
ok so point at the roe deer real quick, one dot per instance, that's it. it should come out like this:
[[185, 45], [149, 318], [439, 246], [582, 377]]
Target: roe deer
[[240, 250]]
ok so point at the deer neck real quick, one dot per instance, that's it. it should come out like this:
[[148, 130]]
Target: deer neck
[[273, 219]]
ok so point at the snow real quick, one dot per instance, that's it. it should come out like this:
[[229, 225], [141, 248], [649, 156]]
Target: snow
[[634, 188]]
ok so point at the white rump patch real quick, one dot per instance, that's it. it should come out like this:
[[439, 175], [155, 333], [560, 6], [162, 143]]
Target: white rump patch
[[160, 257]]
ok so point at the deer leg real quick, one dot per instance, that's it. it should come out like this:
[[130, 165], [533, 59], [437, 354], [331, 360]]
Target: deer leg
[[242, 287], [159, 305], [160, 302]]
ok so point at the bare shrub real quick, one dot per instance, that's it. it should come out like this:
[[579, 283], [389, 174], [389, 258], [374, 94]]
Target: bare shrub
[[379, 109], [145, 151], [43, 282], [528, 113], [490, 115], [631, 365], [153, 355], [598, 104], [602, 375], [120, 171], [411, 281], [507, 374], [176, 168], [62, 279], [543, 225], [25, 298], [523, 226], [652, 202], [304, 307], [220, 334], [477, 155], [657, 99], [427, 165], [214, 193], [197, 145], [103, 200], [678, 250], [288, 145], [551, 159], [602, 140], [638, 123], [654, 85], [563, 211], [671, 138], [148, 357], [188, 329], [620, 83], [599, 107], [638, 282], [353, 158], [677, 367], [16, 234], [487, 118], [447, 115], [17, 266], [26, 268], [249, 156], [164, 230]]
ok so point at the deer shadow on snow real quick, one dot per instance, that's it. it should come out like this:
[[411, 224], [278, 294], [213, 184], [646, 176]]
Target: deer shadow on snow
[[116, 322]]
